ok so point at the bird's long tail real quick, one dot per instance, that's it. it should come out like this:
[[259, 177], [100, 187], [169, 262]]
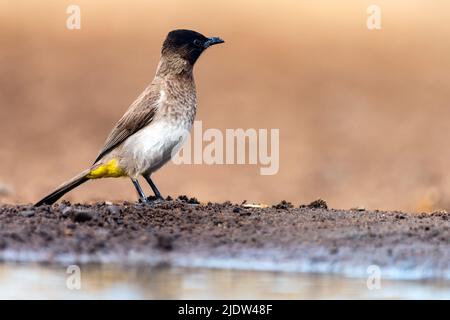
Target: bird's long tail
[[64, 188]]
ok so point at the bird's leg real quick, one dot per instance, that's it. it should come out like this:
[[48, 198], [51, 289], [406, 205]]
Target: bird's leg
[[153, 186], [141, 194]]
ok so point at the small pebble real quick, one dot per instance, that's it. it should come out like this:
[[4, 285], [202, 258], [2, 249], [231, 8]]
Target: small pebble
[[65, 212], [27, 213], [114, 210], [82, 215]]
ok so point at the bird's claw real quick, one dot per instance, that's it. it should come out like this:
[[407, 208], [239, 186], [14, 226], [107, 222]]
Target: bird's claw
[[152, 200], [143, 200]]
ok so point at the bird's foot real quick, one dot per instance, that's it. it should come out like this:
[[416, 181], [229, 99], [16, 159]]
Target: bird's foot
[[152, 200], [143, 200]]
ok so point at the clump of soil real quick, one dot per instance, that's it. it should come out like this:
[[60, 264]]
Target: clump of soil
[[316, 204], [283, 205], [188, 200]]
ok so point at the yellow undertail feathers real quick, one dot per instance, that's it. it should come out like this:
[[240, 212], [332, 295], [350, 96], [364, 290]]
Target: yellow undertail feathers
[[110, 169]]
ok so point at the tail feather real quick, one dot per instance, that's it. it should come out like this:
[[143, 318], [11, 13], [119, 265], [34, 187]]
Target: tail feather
[[64, 188]]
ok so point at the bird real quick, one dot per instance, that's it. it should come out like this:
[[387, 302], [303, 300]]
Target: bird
[[155, 125]]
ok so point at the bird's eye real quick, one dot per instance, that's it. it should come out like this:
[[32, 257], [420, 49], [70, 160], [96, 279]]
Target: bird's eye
[[198, 43]]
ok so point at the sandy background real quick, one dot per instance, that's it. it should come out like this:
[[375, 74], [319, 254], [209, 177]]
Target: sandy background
[[363, 115]]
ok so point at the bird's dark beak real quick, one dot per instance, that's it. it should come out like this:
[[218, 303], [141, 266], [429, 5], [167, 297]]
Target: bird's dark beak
[[212, 41]]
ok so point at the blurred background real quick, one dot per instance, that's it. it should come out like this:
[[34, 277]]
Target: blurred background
[[363, 115]]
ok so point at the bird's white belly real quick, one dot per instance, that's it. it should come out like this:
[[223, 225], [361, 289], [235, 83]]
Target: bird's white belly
[[151, 147]]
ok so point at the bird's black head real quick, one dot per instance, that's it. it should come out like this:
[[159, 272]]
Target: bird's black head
[[188, 44]]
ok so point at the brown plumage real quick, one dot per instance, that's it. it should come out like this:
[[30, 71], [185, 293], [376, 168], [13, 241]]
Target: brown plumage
[[156, 123]]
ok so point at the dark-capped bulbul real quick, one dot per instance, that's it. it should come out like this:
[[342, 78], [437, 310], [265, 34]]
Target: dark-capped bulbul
[[156, 123]]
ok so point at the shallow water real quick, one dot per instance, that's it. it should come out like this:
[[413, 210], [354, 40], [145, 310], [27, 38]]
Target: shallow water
[[18, 281]]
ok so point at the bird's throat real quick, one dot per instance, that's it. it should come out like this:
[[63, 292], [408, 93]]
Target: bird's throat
[[172, 64]]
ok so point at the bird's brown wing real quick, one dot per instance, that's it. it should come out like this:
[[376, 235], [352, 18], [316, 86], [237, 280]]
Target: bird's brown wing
[[139, 115]]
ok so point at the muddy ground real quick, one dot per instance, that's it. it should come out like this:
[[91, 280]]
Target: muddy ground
[[183, 232]]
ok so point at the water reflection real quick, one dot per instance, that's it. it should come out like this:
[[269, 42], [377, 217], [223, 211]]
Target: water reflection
[[111, 282]]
